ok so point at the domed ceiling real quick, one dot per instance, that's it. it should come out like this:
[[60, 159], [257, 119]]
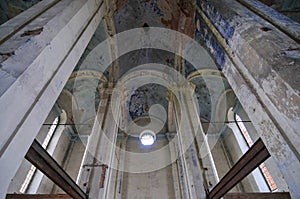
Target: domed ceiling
[[83, 95], [130, 14]]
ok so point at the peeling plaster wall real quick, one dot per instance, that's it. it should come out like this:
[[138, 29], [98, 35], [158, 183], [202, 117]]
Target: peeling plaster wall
[[270, 163], [11, 8], [154, 13], [262, 66], [167, 14], [204, 35], [290, 8]]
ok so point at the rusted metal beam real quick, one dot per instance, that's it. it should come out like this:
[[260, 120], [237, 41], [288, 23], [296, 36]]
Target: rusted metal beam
[[40, 158], [277, 195], [256, 155], [38, 196]]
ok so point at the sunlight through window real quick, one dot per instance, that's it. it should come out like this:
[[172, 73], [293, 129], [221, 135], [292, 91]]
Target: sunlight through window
[[249, 141], [32, 169], [147, 137]]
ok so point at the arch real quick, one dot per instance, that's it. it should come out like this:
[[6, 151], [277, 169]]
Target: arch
[[67, 96], [82, 74], [206, 72], [220, 99]]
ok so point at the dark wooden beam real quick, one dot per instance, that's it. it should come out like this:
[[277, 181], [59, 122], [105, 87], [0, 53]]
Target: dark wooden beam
[[38, 196], [40, 158], [282, 195], [256, 155], [277, 195]]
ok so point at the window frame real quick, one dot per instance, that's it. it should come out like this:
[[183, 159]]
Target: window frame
[[262, 167], [32, 171]]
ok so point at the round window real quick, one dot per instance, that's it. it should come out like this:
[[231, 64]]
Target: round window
[[147, 137]]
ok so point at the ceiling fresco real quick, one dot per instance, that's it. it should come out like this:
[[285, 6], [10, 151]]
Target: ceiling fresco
[[128, 14]]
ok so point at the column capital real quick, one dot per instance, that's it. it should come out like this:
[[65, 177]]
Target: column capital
[[180, 87]]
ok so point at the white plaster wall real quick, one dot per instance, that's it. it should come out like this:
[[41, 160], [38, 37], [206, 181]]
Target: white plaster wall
[[155, 184]]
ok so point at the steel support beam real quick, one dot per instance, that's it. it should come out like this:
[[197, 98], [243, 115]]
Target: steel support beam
[[38, 196], [256, 155], [40, 158], [278, 195]]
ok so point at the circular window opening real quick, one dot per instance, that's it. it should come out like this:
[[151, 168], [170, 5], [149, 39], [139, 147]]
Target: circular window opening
[[147, 137]]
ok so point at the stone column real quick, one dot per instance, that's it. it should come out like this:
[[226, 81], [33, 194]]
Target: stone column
[[188, 125], [116, 179], [97, 177], [177, 176], [42, 56]]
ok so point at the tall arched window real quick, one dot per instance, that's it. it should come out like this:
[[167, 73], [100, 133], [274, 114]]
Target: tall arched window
[[45, 143], [266, 174]]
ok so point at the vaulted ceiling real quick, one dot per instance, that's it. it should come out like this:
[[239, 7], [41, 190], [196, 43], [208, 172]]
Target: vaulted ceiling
[[178, 15]]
